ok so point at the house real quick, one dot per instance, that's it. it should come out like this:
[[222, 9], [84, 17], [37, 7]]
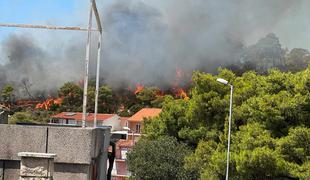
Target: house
[[75, 118], [133, 125], [135, 122]]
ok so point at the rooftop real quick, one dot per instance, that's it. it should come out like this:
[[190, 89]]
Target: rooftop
[[125, 143], [145, 113], [78, 116]]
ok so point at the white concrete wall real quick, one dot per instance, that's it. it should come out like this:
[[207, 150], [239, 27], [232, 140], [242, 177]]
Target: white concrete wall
[[114, 122]]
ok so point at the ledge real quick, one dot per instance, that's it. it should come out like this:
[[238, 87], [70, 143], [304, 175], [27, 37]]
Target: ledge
[[36, 155]]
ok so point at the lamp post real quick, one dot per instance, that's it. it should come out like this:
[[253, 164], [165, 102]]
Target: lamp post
[[223, 81]]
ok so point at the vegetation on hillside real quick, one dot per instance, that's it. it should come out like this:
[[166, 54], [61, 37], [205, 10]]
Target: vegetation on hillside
[[270, 129]]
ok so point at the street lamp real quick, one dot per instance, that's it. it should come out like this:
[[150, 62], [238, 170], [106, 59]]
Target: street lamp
[[223, 81]]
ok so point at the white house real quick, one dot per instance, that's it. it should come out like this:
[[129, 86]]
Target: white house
[[75, 118]]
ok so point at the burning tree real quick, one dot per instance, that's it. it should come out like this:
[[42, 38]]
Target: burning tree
[[50, 104]]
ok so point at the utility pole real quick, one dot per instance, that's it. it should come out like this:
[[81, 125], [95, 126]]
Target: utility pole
[[93, 8], [86, 73]]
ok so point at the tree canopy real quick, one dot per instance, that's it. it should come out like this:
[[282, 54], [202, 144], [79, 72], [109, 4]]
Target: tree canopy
[[270, 131], [158, 159], [7, 94]]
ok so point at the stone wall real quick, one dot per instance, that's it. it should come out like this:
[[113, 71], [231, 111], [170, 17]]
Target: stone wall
[[80, 152]]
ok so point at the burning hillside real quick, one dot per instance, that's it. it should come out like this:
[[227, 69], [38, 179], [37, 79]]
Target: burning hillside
[[48, 103]]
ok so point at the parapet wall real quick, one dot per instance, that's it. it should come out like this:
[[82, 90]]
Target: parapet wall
[[81, 152]]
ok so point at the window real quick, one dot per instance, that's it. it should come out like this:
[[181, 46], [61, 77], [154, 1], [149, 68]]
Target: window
[[124, 153], [73, 122], [138, 127]]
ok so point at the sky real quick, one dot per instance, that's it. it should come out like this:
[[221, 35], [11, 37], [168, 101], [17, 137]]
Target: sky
[[75, 12], [44, 12], [51, 12]]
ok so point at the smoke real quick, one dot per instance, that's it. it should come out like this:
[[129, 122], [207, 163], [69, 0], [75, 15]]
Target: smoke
[[33, 70], [146, 41]]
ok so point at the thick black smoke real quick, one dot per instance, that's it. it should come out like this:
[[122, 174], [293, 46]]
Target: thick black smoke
[[145, 42], [33, 71]]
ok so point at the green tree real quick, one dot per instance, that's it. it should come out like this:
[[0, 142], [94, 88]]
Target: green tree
[[107, 102], [158, 159], [170, 121], [270, 126], [7, 94], [91, 99], [201, 160], [37, 117], [147, 95], [253, 156], [21, 117], [295, 147], [72, 97], [297, 59]]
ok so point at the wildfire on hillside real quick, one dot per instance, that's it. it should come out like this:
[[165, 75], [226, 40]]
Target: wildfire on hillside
[[180, 93], [46, 105], [139, 88], [175, 90]]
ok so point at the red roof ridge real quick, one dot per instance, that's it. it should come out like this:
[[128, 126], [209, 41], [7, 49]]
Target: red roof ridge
[[145, 113]]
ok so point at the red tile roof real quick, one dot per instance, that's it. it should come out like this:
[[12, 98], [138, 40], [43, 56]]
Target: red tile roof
[[144, 113], [125, 143], [78, 116], [124, 118]]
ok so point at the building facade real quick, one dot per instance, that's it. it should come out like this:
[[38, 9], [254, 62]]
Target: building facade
[[133, 125], [75, 118]]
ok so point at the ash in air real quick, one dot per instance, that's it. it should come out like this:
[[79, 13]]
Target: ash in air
[[146, 42]]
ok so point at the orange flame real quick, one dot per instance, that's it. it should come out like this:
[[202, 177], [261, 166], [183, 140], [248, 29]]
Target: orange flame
[[181, 94], [139, 88], [178, 91], [46, 105]]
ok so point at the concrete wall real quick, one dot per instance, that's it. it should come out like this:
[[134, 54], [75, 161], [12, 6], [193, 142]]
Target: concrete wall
[[3, 116], [80, 151], [1, 169], [11, 170], [114, 122], [15, 139]]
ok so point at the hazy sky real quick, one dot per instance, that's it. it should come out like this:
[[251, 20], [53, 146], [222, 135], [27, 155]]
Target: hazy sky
[[140, 35], [293, 29]]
